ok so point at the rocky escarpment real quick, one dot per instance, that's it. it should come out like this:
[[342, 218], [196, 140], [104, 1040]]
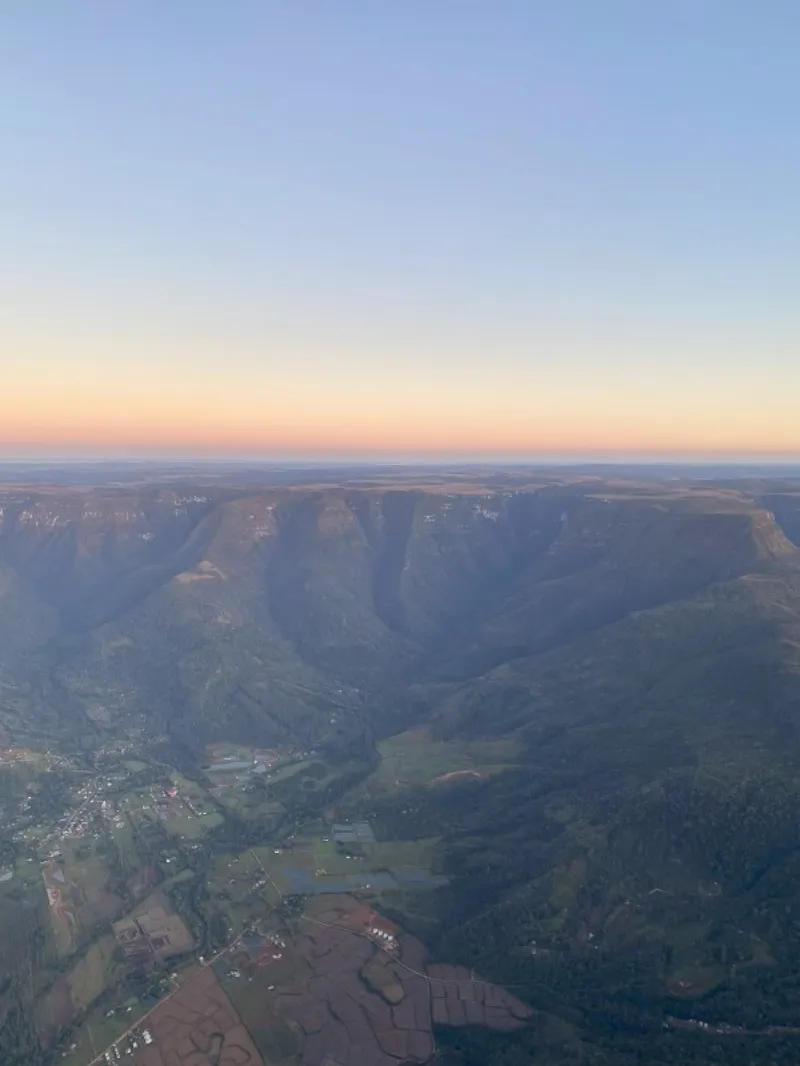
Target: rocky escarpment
[[310, 614]]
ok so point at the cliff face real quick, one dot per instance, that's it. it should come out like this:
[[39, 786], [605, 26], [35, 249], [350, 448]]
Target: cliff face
[[306, 615]]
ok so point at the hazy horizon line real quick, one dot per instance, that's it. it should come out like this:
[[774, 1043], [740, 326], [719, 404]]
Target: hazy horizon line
[[451, 460]]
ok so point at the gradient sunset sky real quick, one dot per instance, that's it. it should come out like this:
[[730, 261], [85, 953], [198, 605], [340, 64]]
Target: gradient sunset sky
[[401, 227]]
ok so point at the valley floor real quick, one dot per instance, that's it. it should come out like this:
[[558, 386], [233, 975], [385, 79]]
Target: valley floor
[[185, 913]]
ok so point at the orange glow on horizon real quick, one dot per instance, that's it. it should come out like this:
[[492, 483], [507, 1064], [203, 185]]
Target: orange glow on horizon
[[302, 436], [127, 409]]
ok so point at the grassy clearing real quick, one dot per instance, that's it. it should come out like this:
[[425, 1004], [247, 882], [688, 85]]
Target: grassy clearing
[[281, 773], [93, 972], [695, 979], [125, 840], [415, 758]]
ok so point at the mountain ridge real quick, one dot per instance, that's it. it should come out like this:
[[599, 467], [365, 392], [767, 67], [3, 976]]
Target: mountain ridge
[[349, 592]]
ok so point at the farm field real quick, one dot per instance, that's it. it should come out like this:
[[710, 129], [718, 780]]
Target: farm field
[[98, 1030], [74, 992], [105, 890], [240, 778], [123, 835], [117, 885], [247, 885], [329, 990], [196, 1025], [191, 813], [254, 805], [297, 782], [152, 933], [238, 888], [290, 769], [105, 964], [319, 865], [188, 813]]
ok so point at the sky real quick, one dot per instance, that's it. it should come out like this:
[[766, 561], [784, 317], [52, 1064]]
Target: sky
[[427, 228]]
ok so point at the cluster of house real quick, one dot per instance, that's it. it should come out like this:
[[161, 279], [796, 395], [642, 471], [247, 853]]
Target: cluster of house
[[386, 940], [113, 1054], [276, 942]]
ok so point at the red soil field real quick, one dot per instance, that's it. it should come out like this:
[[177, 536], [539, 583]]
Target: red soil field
[[198, 1026], [351, 1021]]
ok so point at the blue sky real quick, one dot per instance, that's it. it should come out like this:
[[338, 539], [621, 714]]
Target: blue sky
[[419, 226]]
